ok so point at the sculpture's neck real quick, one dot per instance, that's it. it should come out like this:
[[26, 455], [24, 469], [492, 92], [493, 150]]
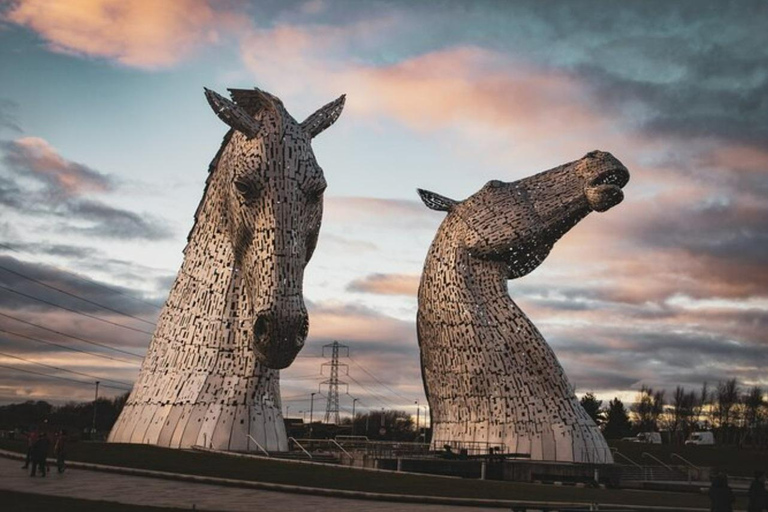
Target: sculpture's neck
[[451, 275]]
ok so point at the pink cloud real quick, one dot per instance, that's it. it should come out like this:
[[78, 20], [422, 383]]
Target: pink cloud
[[137, 33], [387, 284], [37, 158]]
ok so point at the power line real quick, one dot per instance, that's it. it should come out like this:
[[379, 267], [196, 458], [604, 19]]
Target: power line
[[378, 397], [74, 310], [87, 280], [95, 354], [84, 340], [64, 369], [41, 283], [377, 380], [60, 378]]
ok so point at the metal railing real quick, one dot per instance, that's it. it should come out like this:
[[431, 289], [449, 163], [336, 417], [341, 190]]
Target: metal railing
[[617, 452], [342, 448], [686, 461], [301, 447], [258, 445], [690, 465], [646, 454]]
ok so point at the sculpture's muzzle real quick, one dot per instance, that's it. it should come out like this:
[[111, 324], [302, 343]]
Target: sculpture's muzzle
[[603, 191], [278, 337]]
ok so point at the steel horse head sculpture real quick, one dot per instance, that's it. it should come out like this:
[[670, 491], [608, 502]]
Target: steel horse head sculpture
[[236, 313], [489, 375], [271, 207]]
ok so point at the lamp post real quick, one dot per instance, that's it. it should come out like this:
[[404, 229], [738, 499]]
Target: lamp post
[[93, 428], [354, 401], [311, 406], [417, 420]]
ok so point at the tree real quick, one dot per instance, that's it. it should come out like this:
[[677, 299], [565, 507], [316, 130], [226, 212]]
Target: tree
[[648, 408], [395, 425], [703, 407], [682, 413], [617, 424], [593, 407], [753, 413], [727, 394]]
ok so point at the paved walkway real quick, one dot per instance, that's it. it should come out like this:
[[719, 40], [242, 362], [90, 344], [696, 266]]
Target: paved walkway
[[135, 490]]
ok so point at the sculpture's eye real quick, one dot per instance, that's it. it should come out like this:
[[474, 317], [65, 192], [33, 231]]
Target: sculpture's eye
[[247, 189]]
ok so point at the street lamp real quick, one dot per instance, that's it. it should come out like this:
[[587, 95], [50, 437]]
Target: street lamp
[[354, 401]]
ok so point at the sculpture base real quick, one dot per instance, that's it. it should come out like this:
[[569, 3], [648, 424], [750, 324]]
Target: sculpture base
[[216, 426]]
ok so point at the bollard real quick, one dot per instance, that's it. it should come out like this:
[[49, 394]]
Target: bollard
[[483, 466], [399, 464]]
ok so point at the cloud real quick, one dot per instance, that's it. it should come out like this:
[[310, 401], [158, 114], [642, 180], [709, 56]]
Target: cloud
[[137, 33], [116, 297], [48, 185], [7, 117], [387, 284], [108, 222], [35, 157]]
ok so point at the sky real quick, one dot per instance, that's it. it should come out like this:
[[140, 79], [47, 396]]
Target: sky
[[105, 140]]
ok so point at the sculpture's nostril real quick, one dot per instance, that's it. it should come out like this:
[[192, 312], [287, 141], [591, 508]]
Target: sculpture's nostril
[[261, 327]]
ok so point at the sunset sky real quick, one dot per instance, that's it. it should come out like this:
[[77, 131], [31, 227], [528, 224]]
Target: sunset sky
[[105, 140]]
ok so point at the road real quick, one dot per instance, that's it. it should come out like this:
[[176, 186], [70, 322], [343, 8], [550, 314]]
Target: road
[[135, 490]]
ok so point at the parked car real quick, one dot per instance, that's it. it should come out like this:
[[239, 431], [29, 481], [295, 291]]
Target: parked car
[[645, 437], [701, 438]]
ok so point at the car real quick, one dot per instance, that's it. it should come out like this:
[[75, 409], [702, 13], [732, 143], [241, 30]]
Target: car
[[645, 437], [700, 439]]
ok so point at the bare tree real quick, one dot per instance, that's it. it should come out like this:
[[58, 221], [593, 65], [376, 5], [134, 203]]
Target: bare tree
[[648, 408], [754, 405], [683, 411], [727, 401]]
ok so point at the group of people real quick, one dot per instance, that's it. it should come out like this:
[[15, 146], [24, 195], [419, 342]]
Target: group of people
[[38, 448], [722, 497]]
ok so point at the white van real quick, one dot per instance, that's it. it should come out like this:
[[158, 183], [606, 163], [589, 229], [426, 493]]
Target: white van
[[645, 437], [701, 438]]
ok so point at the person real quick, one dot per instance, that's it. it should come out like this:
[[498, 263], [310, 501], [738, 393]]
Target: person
[[59, 448], [40, 454], [448, 452], [720, 494], [31, 439], [758, 496]]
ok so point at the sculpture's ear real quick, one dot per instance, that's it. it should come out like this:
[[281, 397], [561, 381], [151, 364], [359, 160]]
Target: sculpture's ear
[[436, 201], [232, 114], [324, 117]]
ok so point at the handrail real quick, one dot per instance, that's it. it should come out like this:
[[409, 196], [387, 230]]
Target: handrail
[[299, 445], [342, 448], [258, 445], [694, 466], [617, 452], [646, 454]]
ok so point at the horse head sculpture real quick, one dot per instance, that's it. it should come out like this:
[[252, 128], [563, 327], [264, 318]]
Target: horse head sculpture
[[489, 375], [519, 222], [271, 208]]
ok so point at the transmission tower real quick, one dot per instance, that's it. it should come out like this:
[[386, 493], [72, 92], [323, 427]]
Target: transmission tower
[[332, 402]]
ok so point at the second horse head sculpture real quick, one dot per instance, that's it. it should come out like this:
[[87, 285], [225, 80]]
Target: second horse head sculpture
[[489, 375]]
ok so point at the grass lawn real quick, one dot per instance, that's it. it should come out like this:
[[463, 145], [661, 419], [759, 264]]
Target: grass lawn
[[262, 470], [734, 461], [44, 503]]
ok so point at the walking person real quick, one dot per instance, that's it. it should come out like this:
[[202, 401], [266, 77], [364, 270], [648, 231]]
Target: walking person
[[758, 496], [59, 449], [31, 439], [721, 496], [40, 454]]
